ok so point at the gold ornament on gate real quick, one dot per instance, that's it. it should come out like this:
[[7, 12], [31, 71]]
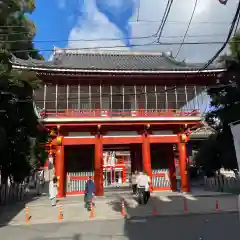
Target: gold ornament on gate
[[59, 140], [52, 133], [183, 138]]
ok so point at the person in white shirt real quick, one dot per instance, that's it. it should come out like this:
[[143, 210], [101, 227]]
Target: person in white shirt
[[143, 186]]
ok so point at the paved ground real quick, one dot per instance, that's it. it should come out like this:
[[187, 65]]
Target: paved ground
[[192, 227], [111, 207]]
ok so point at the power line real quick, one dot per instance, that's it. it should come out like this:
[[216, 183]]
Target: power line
[[161, 22], [78, 40], [165, 17], [109, 39], [154, 43], [235, 18], [189, 24], [237, 24], [145, 21]]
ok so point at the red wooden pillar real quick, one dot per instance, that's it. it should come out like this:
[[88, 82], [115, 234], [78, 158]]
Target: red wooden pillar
[[185, 186], [60, 171], [124, 174], [146, 156], [98, 173], [171, 167]]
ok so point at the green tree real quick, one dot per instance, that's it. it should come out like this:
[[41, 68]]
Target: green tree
[[225, 101], [18, 121]]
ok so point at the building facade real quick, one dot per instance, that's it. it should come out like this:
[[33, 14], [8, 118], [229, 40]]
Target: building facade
[[99, 103]]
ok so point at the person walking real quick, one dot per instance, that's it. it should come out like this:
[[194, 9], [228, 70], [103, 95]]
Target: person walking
[[134, 182], [143, 188], [53, 188], [89, 192], [147, 187]]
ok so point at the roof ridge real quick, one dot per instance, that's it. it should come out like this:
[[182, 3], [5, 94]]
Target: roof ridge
[[105, 52]]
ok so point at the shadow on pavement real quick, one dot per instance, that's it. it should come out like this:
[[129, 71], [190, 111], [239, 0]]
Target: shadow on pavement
[[10, 210], [152, 221]]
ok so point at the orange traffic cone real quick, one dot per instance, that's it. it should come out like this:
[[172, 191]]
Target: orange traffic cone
[[217, 205], [60, 217], [91, 211], [27, 214], [185, 206], [123, 208], [154, 210]]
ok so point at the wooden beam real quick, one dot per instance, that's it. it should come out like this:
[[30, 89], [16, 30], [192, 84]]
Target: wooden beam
[[163, 139], [79, 141], [122, 140]]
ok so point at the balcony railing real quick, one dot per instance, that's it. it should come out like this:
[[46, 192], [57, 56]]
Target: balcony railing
[[119, 113]]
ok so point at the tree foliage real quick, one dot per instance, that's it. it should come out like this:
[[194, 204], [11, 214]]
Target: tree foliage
[[225, 104], [18, 121]]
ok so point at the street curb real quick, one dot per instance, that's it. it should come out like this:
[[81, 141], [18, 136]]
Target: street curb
[[128, 218], [181, 214], [215, 195]]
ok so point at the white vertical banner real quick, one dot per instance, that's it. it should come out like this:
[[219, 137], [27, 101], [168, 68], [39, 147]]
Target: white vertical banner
[[235, 129]]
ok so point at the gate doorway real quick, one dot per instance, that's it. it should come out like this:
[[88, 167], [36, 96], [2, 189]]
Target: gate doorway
[[116, 167], [113, 176]]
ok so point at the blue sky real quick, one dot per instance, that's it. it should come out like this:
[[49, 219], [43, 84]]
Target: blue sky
[[54, 22], [72, 20], [93, 19]]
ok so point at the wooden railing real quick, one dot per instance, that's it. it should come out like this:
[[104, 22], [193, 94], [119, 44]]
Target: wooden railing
[[118, 113]]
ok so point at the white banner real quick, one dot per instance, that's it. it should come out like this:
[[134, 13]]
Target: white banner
[[235, 128]]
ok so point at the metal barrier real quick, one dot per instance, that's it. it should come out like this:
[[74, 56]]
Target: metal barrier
[[160, 179], [222, 183], [76, 182]]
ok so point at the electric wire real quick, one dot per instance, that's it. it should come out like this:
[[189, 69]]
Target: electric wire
[[109, 39], [186, 32], [154, 43], [165, 17], [235, 18], [143, 21], [237, 24], [161, 22]]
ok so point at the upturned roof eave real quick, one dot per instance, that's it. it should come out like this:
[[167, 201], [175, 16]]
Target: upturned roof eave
[[78, 70]]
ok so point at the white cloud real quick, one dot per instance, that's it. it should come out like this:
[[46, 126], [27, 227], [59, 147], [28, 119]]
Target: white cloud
[[95, 26], [215, 16]]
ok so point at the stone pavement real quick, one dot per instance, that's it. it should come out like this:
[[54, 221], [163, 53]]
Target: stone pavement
[[161, 204], [220, 226]]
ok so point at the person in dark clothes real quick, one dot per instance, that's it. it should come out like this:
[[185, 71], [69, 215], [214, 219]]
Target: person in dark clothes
[[89, 191]]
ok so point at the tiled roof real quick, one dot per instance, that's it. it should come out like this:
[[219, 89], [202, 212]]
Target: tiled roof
[[119, 61], [202, 133]]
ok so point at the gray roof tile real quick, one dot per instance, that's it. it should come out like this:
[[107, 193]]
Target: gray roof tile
[[121, 61]]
